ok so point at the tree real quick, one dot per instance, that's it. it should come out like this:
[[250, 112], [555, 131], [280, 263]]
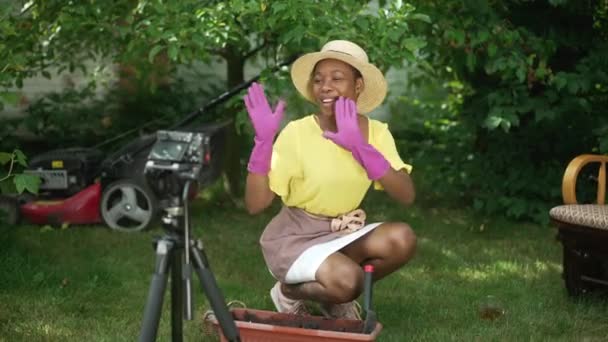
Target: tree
[[66, 34], [535, 89]]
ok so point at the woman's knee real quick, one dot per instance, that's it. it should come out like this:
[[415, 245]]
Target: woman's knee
[[402, 240], [344, 283]]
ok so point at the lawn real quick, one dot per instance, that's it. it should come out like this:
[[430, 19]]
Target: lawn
[[87, 283]]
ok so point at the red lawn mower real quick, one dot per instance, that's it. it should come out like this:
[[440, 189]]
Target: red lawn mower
[[83, 186]]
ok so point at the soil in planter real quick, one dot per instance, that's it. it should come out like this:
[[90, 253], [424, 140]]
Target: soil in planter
[[312, 322]]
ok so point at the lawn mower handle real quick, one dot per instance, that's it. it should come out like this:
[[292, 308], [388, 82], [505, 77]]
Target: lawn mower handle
[[227, 95]]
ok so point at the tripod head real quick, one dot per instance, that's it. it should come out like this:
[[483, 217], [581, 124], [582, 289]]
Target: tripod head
[[194, 155], [176, 157], [175, 163]]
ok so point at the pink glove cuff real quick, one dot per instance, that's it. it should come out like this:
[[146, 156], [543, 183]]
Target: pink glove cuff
[[372, 161], [259, 160]]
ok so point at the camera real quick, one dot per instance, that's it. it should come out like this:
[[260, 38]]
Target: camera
[[178, 151], [175, 157]]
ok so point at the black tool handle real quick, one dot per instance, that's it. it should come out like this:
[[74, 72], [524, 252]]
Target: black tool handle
[[370, 316], [367, 287]]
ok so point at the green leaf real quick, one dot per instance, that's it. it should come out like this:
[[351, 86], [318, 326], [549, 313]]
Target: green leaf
[[394, 36], [521, 74], [543, 113], [153, 52], [492, 122], [458, 36], [542, 70], [471, 61], [414, 44], [21, 158], [530, 59], [277, 7], [295, 34], [477, 204], [10, 97], [560, 81], [421, 17], [28, 182], [408, 56], [173, 52], [483, 36], [362, 24], [584, 103], [557, 3], [492, 50], [5, 157], [573, 86], [7, 187]]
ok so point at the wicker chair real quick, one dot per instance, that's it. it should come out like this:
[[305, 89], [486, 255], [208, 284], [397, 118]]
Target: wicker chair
[[583, 230]]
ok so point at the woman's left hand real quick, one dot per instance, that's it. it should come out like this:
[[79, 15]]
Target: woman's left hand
[[348, 135]]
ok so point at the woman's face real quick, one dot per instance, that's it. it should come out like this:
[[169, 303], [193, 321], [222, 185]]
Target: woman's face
[[332, 78]]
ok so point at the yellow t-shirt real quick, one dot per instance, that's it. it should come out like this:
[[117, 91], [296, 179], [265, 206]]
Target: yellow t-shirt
[[311, 172]]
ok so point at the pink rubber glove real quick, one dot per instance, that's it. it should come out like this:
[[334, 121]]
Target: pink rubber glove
[[266, 124], [349, 137]]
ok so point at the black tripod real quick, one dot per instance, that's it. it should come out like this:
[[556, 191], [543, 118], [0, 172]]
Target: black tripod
[[177, 253]]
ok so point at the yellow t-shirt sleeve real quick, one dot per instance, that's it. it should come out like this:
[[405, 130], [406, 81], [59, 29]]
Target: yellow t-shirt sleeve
[[385, 143], [285, 164]]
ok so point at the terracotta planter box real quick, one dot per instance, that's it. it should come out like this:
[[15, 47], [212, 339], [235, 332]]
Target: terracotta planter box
[[269, 326]]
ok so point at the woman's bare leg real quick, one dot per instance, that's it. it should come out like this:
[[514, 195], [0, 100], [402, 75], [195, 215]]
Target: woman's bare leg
[[339, 279], [387, 247]]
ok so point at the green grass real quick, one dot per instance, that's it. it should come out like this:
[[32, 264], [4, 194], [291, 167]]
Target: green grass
[[90, 284]]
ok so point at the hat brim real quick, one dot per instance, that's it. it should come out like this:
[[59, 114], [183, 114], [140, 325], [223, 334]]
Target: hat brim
[[374, 90]]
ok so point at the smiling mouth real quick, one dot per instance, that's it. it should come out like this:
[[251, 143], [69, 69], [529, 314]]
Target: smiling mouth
[[328, 101]]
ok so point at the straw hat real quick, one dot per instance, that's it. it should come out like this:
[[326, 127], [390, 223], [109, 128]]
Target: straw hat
[[374, 90]]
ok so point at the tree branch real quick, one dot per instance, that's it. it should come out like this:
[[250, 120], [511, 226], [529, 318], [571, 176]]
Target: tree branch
[[10, 169], [255, 50]]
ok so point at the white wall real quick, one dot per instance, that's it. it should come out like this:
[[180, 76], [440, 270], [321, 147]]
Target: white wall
[[104, 74], [33, 88]]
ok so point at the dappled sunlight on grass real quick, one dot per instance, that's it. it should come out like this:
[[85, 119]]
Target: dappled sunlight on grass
[[504, 268], [471, 274], [42, 329], [39, 322], [90, 283]]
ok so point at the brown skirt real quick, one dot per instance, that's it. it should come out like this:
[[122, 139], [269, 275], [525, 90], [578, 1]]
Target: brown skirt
[[289, 234]]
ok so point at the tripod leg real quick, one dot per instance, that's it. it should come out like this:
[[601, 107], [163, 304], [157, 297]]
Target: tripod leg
[[177, 293], [214, 295], [158, 284]]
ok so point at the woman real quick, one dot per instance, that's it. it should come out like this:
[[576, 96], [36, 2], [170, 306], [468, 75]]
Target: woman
[[321, 166]]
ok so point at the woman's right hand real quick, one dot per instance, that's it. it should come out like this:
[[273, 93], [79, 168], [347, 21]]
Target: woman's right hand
[[266, 123]]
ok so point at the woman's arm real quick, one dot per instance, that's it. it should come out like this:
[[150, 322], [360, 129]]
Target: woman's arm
[[258, 195], [399, 185]]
